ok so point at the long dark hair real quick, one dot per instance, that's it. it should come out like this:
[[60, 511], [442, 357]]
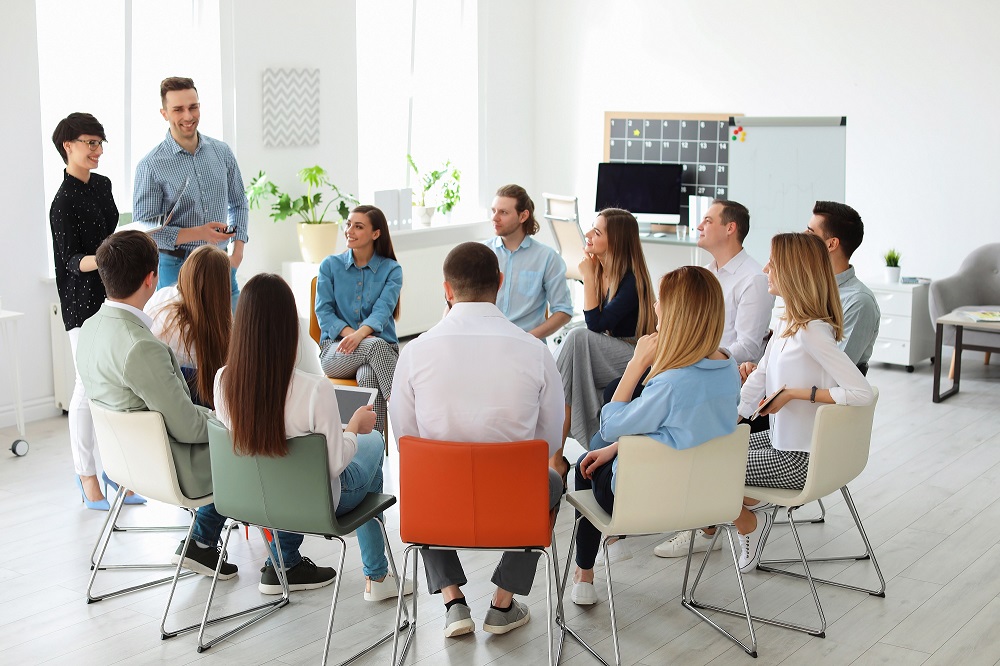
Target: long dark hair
[[624, 255], [383, 244], [259, 366]]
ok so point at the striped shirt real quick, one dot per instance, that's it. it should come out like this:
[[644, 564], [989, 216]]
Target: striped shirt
[[208, 183]]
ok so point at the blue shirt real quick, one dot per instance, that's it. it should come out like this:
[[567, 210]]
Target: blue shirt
[[861, 317], [214, 191], [682, 407], [347, 295], [533, 275]]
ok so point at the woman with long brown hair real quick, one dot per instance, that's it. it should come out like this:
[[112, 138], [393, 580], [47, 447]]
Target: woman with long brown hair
[[194, 318], [618, 309], [264, 400], [357, 305], [690, 397]]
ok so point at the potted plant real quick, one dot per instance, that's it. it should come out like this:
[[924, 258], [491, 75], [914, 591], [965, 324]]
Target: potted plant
[[318, 233], [891, 266], [440, 185]]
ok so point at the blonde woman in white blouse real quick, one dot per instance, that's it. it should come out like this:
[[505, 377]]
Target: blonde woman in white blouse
[[803, 357]]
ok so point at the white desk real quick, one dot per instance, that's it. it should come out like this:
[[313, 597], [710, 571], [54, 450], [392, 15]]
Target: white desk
[[8, 331]]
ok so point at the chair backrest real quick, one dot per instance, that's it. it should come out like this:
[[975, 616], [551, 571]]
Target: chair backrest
[[841, 440], [135, 451], [290, 493], [474, 494], [563, 215], [661, 489], [977, 282], [314, 329]]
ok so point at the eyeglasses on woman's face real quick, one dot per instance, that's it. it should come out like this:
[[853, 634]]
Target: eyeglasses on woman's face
[[93, 144]]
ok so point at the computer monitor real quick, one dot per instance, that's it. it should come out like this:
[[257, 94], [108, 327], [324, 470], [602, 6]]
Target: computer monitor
[[639, 188]]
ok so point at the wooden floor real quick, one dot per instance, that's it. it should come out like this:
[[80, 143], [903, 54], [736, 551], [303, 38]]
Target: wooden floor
[[930, 500]]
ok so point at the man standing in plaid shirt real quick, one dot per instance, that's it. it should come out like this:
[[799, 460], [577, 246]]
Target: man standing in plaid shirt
[[188, 185]]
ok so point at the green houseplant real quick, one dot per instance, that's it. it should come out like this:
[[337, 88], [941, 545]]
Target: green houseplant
[[892, 268], [438, 189], [318, 227]]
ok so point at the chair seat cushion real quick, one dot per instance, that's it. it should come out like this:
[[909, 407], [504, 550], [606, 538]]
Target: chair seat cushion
[[585, 502], [779, 496], [372, 505]]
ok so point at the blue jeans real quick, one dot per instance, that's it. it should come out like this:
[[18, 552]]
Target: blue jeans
[[362, 476], [170, 267]]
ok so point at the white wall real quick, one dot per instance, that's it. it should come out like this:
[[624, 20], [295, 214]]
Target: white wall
[[24, 226], [916, 81], [312, 34]]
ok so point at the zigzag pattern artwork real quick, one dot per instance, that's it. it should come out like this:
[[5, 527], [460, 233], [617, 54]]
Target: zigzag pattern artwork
[[290, 107]]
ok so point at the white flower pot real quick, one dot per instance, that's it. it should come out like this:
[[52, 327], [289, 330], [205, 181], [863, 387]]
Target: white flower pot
[[892, 274], [422, 215], [318, 241]]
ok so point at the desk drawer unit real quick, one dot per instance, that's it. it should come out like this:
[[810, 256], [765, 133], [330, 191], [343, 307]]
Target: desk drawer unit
[[905, 335]]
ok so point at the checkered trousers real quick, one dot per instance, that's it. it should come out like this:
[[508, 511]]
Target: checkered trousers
[[769, 467]]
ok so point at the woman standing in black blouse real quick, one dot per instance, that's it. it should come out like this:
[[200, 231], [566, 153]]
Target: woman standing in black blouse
[[82, 215]]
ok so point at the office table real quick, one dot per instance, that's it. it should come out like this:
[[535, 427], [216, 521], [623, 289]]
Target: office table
[[959, 321]]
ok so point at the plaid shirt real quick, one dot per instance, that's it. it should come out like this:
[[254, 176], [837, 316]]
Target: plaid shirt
[[214, 191]]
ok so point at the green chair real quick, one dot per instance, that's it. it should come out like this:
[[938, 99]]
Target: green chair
[[288, 494]]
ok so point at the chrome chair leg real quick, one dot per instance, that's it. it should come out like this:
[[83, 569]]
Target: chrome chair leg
[[565, 629], [266, 609], [819, 519], [400, 603], [687, 598], [869, 554]]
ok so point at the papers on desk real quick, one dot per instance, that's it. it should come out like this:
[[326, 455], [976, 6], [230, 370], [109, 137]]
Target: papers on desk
[[992, 316]]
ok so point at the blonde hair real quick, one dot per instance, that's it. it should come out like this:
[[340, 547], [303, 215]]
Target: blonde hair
[[692, 318], [625, 254], [203, 316], [801, 269]]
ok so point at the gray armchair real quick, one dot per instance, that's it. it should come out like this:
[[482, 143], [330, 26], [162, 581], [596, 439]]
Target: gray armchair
[[976, 286]]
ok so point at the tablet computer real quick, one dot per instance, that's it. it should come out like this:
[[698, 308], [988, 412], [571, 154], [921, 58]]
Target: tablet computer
[[349, 398], [767, 401]]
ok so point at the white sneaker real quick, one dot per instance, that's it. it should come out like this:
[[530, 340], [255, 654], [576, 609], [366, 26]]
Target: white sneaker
[[753, 543], [618, 551], [759, 506], [677, 545], [386, 588], [584, 594]]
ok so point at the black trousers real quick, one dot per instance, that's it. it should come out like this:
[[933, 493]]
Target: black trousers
[[588, 537]]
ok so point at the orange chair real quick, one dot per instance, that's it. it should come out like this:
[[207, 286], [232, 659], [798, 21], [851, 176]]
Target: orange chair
[[463, 514]]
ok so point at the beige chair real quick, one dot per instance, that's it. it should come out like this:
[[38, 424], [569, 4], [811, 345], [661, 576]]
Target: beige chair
[[136, 453], [563, 215], [661, 489], [838, 454]]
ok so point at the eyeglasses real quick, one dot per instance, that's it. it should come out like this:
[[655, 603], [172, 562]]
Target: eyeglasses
[[93, 143]]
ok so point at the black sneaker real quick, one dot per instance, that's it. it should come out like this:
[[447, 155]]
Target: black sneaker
[[303, 576], [203, 561]]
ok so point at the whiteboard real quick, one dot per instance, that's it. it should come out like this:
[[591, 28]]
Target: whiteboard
[[780, 167]]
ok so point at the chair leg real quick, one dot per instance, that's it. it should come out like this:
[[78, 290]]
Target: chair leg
[[400, 603], [548, 603], [164, 634], [688, 602], [869, 554], [100, 548], [399, 588], [986, 361], [565, 629], [266, 609], [818, 632], [819, 519], [951, 370]]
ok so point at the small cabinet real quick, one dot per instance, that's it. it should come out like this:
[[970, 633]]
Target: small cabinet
[[905, 335]]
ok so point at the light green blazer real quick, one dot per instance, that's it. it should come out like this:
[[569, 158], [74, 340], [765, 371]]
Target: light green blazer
[[125, 368]]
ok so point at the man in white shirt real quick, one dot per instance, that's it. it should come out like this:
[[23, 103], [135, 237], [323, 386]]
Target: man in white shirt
[[744, 285], [477, 377], [534, 294]]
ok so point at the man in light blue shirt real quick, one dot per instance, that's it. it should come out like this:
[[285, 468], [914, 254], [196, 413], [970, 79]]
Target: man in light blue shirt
[[534, 274], [187, 185], [842, 230]]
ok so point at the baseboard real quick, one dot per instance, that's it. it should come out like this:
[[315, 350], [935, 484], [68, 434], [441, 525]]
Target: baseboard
[[34, 410]]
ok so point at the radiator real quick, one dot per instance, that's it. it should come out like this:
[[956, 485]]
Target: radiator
[[63, 372]]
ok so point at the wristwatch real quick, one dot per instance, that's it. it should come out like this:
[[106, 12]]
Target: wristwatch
[[812, 395]]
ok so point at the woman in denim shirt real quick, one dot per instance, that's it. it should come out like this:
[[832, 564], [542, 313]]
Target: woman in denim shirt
[[357, 303]]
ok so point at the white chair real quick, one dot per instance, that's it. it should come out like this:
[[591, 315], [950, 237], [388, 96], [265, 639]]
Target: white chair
[[660, 489], [136, 453], [841, 439], [563, 215]]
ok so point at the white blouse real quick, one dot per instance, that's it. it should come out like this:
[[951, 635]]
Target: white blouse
[[808, 358], [157, 308], [310, 407]]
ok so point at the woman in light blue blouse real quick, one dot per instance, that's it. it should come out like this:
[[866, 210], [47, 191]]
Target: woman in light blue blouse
[[357, 304], [691, 397]]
